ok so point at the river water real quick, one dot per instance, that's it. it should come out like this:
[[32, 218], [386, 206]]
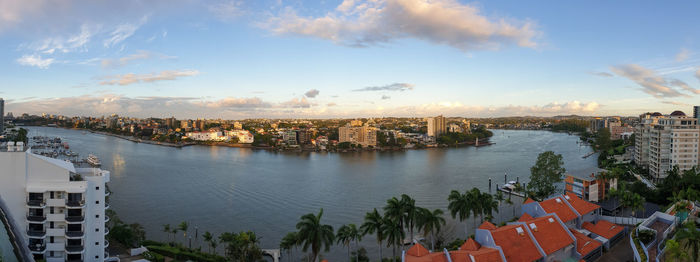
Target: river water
[[221, 189]]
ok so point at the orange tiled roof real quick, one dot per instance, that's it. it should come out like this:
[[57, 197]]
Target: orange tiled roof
[[516, 247], [560, 208], [603, 228], [487, 225], [582, 206], [584, 244], [551, 235], [470, 245], [417, 250], [525, 217], [484, 254], [529, 200]]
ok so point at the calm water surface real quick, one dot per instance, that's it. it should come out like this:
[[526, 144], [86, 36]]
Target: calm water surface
[[222, 189]]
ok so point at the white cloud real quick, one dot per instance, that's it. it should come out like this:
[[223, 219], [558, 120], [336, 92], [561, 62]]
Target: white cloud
[[601, 74], [296, 103], [140, 55], [652, 83], [227, 10], [385, 97], [35, 60], [389, 87], [65, 44], [682, 55], [370, 22], [697, 74], [233, 102], [311, 93], [132, 78], [123, 31]]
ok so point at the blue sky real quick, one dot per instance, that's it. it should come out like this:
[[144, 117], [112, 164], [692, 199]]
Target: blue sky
[[246, 59]]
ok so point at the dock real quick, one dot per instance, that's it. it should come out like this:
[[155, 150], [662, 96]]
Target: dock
[[589, 154], [510, 192]]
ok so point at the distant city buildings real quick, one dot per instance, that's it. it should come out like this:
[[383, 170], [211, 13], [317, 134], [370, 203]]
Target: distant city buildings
[[364, 135], [2, 116], [58, 208], [665, 141], [436, 126]]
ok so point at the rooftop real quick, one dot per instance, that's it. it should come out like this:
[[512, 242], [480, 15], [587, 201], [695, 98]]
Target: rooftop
[[549, 233], [603, 228], [582, 207], [587, 174], [558, 206], [584, 244], [516, 246]]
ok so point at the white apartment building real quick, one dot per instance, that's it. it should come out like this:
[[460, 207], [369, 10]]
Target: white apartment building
[[360, 135], [57, 210], [436, 126], [673, 141], [642, 132]]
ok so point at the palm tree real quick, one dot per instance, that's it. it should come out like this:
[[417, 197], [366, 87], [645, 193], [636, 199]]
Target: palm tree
[[395, 209], [356, 236], [510, 202], [409, 205], [488, 204], [374, 222], [166, 229], [460, 204], [394, 234], [289, 242], [343, 237], [174, 231], [430, 222], [183, 227], [213, 245], [208, 238], [689, 237], [499, 197], [314, 234], [474, 196]]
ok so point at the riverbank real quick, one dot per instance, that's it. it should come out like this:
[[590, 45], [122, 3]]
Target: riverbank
[[138, 140]]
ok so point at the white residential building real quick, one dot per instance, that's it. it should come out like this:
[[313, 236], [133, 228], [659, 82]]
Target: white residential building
[[642, 134], [57, 210], [206, 136], [244, 136], [436, 126], [673, 141]]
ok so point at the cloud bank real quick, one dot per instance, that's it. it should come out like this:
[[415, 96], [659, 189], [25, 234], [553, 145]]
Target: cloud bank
[[653, 83], [390, 87], [361, 23], [132, 78], [311, 93], [35, 60]]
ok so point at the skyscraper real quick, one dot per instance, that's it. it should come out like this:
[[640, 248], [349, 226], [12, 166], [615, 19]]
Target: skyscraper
[[2, 115], [436, 126], [696, 111]]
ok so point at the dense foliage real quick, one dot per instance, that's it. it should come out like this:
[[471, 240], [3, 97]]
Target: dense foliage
[[571, 125], [547, 171]]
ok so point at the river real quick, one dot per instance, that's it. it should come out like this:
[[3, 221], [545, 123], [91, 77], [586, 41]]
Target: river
[[222, 189]]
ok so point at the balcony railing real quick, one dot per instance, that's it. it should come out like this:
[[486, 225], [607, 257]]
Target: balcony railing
[[37, 248], [74, 249], [38, 219], [106, 219], [106, 243], [75, 219], [74, 234], [36, 233], [106, 230], [36, 203], [75, 203]]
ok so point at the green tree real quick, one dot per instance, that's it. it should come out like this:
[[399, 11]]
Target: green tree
[[547, 171], [430, 222], [343, 237], [208, 238], [314, 234], [394, 234], [689, 237], [183, 226], [499, 197], [674, 251], [410, 209], [374, 223], [395, 209], [166, 229], [243, 246], [289, 242], [488, 204], [460, 204]]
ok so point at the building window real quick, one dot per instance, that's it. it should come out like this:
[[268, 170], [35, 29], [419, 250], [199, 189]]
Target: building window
[[97, 243], [97, 202], [97, 230], [97, 188], [97, 216]]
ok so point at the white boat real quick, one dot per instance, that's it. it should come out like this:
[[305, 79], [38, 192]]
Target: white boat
[[93, 160]]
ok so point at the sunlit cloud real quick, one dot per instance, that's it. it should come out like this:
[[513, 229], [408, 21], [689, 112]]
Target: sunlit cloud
[[132, 78], [123, 31], [390, 87], [361, 23], [123, 61], [311, 93], [682, 55], [652, 83], [36, 61]]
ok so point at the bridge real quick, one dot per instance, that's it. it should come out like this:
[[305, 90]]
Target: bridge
[[274, 253]]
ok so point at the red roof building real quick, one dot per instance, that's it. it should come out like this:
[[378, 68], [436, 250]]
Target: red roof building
[[603, 228], [583, 207], [516, 243], [549, 233], [587, 246], [558, 206]]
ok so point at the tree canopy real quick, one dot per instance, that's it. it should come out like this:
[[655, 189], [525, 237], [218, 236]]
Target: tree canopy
[[547, 171]]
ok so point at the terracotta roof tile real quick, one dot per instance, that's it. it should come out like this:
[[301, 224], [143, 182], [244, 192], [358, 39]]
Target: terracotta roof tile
[[417, 250], [516, 246], [582, 206], [525, 217], [484, 254], [487, 225], [529, 200], [559, 207], [470, 245], [584, 244], [550, 235], [603, 228]]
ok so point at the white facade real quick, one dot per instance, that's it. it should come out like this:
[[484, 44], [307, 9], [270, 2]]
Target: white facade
[[436, 126], [60, 209], [673, 141], [244, 136]]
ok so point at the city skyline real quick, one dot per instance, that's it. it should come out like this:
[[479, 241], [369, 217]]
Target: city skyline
[[345, 59]]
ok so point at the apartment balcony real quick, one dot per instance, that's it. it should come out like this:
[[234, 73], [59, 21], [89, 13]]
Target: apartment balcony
[[75, 203], [36, 203], [56, 202], [106, 244], [107, 206], [107, 193], [36, 219], [37, 249], [75, 219], [74, 249], [106, 230], [106, 219], [36, 233], [74, 234]]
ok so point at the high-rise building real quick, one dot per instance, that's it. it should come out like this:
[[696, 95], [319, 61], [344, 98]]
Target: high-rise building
[[696, 112], [436, 126], [58, 209], [671, 141], [171, 122], [2, 115], [642, 133], [598, 123], [359, 135]]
